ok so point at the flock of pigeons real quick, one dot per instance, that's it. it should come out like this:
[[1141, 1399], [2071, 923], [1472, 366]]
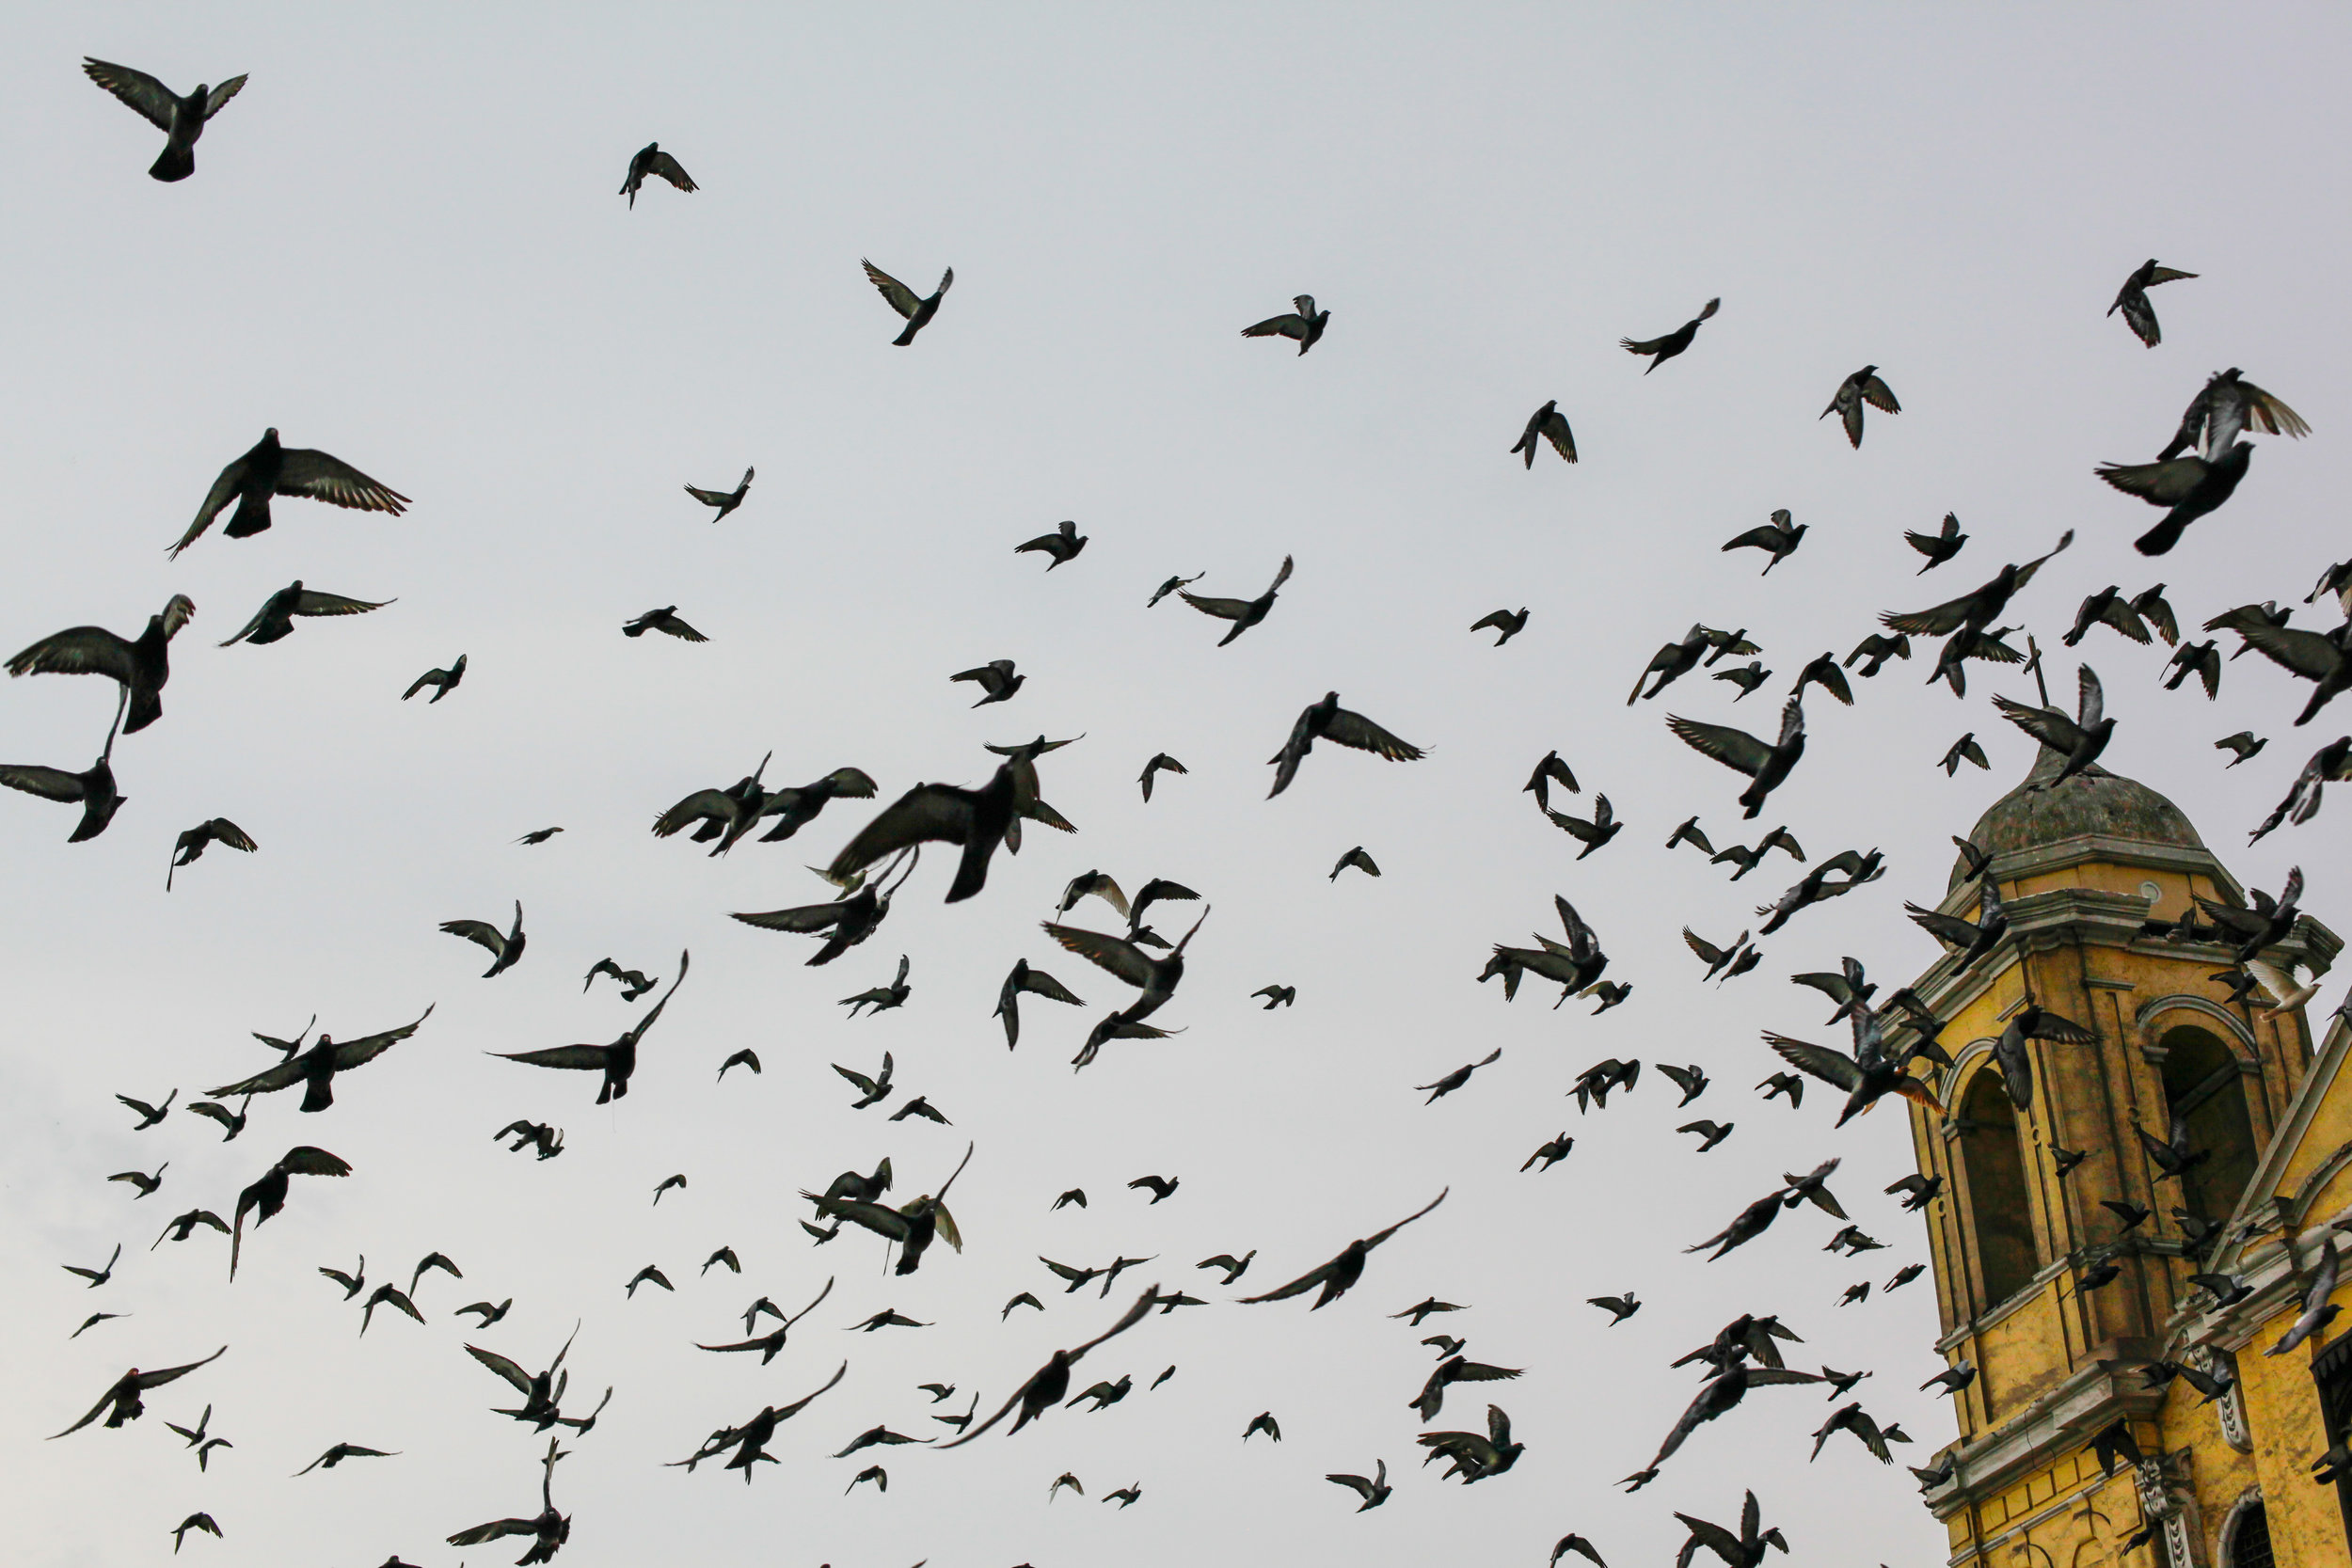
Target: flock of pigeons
[[2193, 475]]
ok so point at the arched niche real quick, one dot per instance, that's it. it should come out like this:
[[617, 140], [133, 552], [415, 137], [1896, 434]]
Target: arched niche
[[2000, 1216], [2204, 1084]]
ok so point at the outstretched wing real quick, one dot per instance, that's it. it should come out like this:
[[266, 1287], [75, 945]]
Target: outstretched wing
[[1734, 749], [1353, 729], [1379, 1236], [151, 98], [1224, 609], [1290, 326], [1831, 1067], [285, 1075], [808, 917], [79, 651], [352, 1053], [2306, 653], [322, 478], [311, 602], [672, 171], [926, 812], [585, 1059], [2049, 1026], [1123, 958], [53, 784], [493, 1530], [2047, 725], [2158, 483], [505, 1369], [902, 299], [1300, 1286], [1041, 984]]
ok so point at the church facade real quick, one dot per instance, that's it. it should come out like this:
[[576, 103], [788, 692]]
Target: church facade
[[2062, 1250]]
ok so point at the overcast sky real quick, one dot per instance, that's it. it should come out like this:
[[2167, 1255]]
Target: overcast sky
[[401, 244]]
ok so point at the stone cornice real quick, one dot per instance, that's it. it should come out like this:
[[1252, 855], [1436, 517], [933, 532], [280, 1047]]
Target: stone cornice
[[2057, 1422]]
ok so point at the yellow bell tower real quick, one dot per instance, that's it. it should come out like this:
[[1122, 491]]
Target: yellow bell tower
[[2047, 1283]]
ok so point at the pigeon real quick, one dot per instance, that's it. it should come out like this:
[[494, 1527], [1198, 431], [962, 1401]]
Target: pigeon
[[1062, 545], [2240, 746], [1327, 721], [194, 1521], [1359, 860], [745, 1057], [1243, 613], [1594, 833], [443, 682], [652, 161], [269, 468], [275, 618], [139, 666], [149, 1115], [1233, 1267], [1778, 539], [1862, 387], [1476, 1456], [1938, 547], [1452, 1370], [1276, 996], [1952, 1379], [1546, 425], [506, 948], [882, 999], [1456, 1079], [1551, 770], [1747, 677], [144, 1183], [1710, 1134], [340, 1452], [1878, 650], [649, 1275], [2317, 1310], [1823, 672], [1918, 1191], [1692, 1080], [995, 679], [2132, 299], [722, 502], [616, 1062], [539, 836], [2035, 1023], [918, 312], [182, 119], [2201, 659], [1374, 1492], [122, 1403], [1336, 1276], [664, 620], [872, 1091], [1578, 1545], [1688, 833], [1036, 982], [1671, 662], [1766, 765], [1302, 322], [1165, 589], [1872, 1071], [2331, 764], [1551, 1153], [1262, 1422], [1159, 764], [2080, 739], [2107, 606], [1661, 350], [1158, 1186], [1503, 623]]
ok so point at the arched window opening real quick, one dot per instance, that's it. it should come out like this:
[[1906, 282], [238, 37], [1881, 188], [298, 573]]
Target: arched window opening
[[2204, 1086], [1998, 1194], [2248, 1545]]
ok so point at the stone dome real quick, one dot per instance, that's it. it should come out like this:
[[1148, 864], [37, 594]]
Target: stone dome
[[2094, 803]]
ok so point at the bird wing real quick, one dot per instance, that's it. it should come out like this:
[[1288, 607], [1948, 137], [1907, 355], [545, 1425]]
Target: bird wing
[[924, 813], [1478, 1371], [305, 472], [1045, 985], [212, 102], [79, 651], [1555, 430], [1379, 1236], [481, 931], [586, 1058], [2049, 1026], [702, 804], [808, 917], [2158, 483], [1300, 1286], [1288, 325], [1706, 951], [1880, 396], [505, 1369], [1734, 749], [224, 490], [151, 98], [680, 629], [1122, 958], [2279, 982], [227, 833], [2047, 725], [1353, 729], [493, 1530], [1831, 1067], [1766, 537], [95, 1411], [2305, 653], [53, 783], [1497, 619], [352, 1053], [902, 299], [2091, 700], [311, 602], [285, 1075], [305, 1160], [145, 1381], [672, 171], [1224, 609]]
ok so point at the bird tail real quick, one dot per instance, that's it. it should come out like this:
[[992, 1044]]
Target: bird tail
[[2162, 537], [176, 163]]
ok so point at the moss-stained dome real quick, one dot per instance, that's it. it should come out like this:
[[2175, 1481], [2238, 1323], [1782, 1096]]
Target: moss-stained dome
[[2094, 803]]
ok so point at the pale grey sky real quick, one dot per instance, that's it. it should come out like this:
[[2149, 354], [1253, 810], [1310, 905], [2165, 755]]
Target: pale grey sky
[[401, 244]]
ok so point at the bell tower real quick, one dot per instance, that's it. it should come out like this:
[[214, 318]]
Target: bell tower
[[2050, 1281]]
